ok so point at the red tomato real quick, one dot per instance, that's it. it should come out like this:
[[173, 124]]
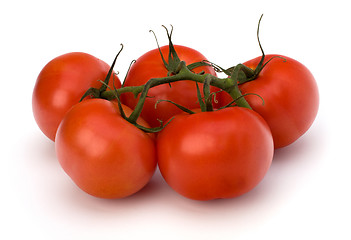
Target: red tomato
[[61, 84], [104, 155], [150, 65], [220, 154], [290, 94]]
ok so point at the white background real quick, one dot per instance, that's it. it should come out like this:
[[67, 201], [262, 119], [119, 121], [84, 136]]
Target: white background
[[305, 194]]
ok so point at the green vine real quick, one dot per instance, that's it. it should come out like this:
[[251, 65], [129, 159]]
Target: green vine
[[227, 84], [179, 71]]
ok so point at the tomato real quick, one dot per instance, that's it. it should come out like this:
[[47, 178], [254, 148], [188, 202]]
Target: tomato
[[220, 154], [150, 65], [61, 84], [290, 95], [104, 155]]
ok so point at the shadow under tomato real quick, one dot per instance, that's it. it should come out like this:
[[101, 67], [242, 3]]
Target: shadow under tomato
[[152, 188], [38, 152]]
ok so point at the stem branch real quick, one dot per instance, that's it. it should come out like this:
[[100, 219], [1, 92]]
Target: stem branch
[[227, 84]]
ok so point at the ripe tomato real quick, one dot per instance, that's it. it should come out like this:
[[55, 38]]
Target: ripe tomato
[[150, 65], [61, 84], [220, 154], [104, 155], [290, 96]]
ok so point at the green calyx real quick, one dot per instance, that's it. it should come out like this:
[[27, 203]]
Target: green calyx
[[173, 63], [96, 92], [246, 74], [173, 60]]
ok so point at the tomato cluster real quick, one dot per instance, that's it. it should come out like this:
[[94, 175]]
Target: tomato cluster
[[110, 138]]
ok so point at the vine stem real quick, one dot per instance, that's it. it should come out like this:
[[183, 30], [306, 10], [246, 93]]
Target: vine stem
[[227, 84]]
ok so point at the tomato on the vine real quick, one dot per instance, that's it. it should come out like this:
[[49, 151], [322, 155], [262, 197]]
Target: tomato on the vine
[[105, 155], [290, 95], [61, 84], [219, 154], [150, 65]]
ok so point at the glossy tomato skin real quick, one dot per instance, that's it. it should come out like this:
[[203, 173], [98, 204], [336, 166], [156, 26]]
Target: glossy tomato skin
[[290, 96], [104, 155], [210, 155], [149, 66], [61, 84]]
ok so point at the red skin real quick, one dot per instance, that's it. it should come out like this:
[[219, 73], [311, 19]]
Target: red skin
[[105, 155], [62, 83], [290, 94], [209, 155]]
